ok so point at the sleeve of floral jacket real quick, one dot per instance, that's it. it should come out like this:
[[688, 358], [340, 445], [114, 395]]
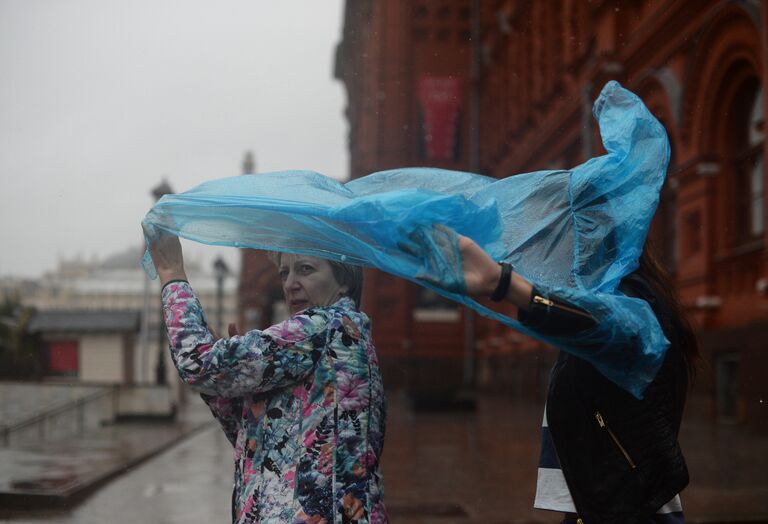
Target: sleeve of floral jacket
[[228, 411], [256, 362]]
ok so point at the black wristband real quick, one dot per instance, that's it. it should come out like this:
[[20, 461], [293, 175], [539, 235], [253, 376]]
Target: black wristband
[[504, 280]]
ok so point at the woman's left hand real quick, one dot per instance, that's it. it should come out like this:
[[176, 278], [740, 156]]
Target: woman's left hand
[[353, 507]]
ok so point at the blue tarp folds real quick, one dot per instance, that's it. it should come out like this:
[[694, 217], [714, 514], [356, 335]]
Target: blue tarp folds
[[574, 233]]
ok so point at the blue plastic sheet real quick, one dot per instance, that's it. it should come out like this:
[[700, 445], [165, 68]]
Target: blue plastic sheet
[[574, 233]]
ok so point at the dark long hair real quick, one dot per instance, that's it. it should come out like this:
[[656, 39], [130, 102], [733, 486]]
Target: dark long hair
[[660, 281]]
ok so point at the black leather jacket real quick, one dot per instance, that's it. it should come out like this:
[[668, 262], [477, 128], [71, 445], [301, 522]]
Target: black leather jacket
[[620, 456]]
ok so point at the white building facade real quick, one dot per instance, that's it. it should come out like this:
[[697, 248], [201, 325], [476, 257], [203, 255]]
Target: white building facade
[[118, 284]]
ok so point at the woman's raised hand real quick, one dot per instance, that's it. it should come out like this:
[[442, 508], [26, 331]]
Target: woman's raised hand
[[167, 256], [481, 272], [437, 248]]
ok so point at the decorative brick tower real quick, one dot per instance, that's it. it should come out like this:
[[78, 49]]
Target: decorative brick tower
[[259, 293], [406, 69]]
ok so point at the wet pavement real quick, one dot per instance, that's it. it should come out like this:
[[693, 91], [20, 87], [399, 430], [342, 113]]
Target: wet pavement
[[20, 399], [484, 464], [62, 468], [189, 483], [441, 468], [729, 473]]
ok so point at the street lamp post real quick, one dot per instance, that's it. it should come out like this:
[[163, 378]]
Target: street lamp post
[[160, 373]]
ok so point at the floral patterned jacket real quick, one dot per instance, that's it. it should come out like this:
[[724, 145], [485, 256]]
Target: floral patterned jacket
[[302, 403]]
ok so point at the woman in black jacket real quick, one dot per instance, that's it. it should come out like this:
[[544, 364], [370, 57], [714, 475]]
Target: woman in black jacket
[[607, 457]]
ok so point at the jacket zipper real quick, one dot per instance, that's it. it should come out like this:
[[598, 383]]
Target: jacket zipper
[[601, 422], [549, 303]]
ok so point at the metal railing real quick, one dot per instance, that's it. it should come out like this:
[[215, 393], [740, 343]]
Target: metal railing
[[72, 418]]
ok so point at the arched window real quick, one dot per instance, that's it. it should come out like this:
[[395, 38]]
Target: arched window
[[663, 235], [664, 232], [746, 154], [754, 167]]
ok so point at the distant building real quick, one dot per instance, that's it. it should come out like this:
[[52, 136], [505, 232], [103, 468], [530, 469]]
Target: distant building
[[105, 295], [416, 77], [89, 346], [260, 295]]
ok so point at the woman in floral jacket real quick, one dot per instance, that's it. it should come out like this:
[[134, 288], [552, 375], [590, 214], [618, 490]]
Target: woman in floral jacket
[[301, 402]]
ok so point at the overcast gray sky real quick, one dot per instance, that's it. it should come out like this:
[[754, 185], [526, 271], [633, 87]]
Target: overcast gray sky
[[99, 99]]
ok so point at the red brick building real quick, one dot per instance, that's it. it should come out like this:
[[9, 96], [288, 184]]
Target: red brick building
[[260, 297], [517, 97], [406, 69]]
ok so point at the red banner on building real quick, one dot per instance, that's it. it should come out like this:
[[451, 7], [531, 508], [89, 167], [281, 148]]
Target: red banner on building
[[440, 103], [63, 358]]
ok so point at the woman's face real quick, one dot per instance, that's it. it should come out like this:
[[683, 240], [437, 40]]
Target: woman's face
[[307, 282]]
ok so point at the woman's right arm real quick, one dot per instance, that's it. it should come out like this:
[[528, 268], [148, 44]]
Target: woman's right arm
[[255, 362], [230, 367], [549, 315], [228, 411]]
